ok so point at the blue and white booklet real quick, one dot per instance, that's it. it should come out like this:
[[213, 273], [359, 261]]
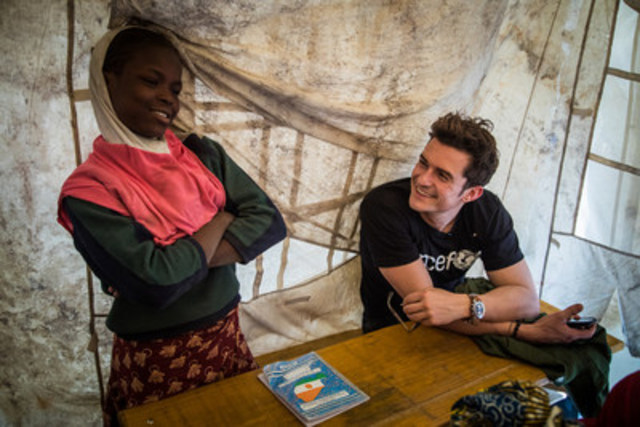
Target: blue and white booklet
[[311, 388]]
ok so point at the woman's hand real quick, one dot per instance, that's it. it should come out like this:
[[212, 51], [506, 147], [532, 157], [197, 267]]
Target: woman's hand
[[553, 329], [210, 235]]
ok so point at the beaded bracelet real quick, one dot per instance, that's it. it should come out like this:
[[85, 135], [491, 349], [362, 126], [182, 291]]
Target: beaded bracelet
[[515, 329]]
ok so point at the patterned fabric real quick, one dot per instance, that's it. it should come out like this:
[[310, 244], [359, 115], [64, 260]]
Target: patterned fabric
[[147, 371], [510, 403]]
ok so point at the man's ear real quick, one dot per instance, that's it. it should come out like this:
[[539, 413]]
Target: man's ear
[[472, 193]]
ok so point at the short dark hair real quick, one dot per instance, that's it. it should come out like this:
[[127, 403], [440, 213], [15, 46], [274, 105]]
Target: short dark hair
[[473, 136], [129, 41]]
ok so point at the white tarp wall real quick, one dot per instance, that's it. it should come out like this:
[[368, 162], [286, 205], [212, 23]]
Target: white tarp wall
[[319, 101]]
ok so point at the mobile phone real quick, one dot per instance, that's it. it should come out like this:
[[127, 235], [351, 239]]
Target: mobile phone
[[582, 323]]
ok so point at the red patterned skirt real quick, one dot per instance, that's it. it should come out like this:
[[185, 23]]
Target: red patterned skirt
[[147, 371]]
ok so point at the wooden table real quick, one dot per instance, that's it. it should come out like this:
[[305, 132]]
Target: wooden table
[[412, 379]]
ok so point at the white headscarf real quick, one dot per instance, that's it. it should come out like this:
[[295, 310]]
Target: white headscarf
[[111, 128]]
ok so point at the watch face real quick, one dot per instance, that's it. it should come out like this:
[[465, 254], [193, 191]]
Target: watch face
[[478, 309]]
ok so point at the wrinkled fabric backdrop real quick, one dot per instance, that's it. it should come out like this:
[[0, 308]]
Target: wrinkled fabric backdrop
[[318, 101]]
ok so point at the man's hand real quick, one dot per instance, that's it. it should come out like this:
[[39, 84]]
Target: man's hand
[[436, 307], [553, 329]]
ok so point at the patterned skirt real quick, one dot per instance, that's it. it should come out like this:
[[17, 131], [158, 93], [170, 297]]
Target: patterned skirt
[[147, 371]]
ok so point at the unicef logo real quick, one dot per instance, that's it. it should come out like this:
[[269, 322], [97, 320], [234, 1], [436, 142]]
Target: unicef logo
[[461, 260], [464, 259]]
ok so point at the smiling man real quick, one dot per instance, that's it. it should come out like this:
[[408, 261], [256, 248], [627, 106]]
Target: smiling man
[[420, 235]]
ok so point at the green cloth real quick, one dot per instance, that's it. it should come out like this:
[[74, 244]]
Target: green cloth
[[582, 367]]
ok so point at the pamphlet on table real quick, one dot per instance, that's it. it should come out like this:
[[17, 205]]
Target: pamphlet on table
[[311, 388]]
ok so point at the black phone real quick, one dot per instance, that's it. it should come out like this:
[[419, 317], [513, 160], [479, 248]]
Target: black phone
[[582, 323]]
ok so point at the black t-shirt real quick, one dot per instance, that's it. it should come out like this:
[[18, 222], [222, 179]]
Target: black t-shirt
[[392, 234]]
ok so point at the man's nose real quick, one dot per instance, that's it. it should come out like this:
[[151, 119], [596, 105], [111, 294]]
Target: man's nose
[[425, 177]]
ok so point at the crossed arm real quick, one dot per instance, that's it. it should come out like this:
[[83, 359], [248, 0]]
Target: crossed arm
[[514, 297], [217, 250]]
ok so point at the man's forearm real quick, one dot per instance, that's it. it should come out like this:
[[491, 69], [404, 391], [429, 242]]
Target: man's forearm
[[507, 303], [514, 295], [480, 328], [548, 329]]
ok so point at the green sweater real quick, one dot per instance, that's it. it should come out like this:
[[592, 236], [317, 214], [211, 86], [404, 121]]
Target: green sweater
[[169, 290]]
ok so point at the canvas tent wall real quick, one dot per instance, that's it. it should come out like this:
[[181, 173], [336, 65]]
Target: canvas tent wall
[[320, 101]]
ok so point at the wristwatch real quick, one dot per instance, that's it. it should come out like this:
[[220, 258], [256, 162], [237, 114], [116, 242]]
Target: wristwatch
[[477, 308]]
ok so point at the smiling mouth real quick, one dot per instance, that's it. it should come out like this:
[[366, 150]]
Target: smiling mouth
[[422, 192], [162, 115]]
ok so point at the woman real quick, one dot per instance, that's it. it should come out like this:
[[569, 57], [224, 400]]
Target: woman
[[161, 223]]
